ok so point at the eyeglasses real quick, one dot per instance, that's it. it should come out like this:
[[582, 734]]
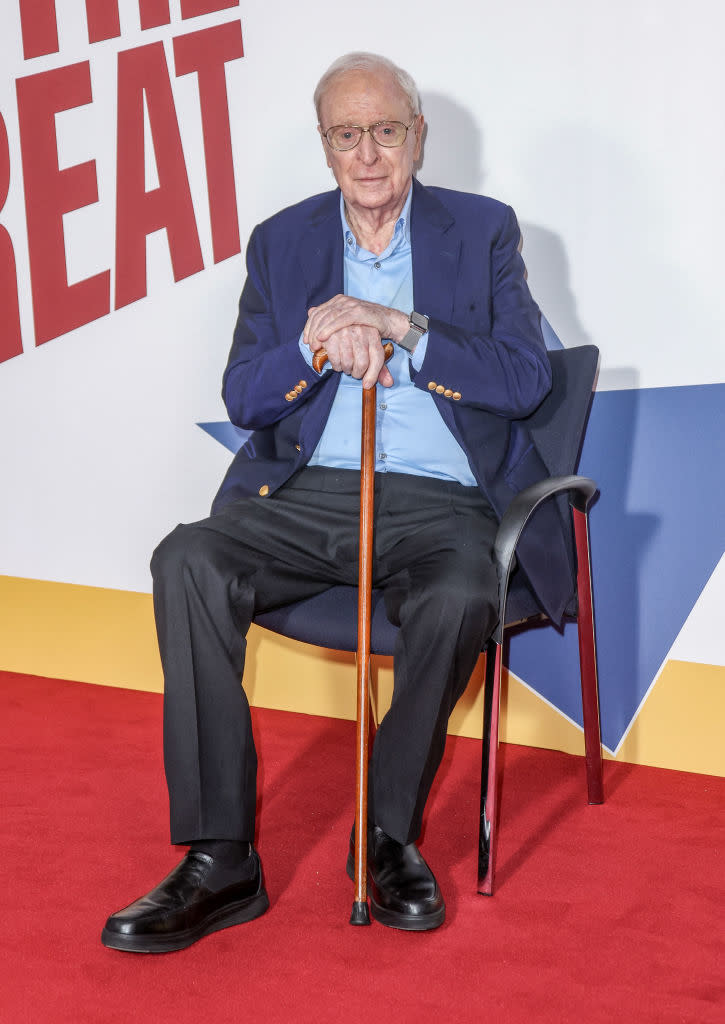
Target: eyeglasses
[[343, 137]]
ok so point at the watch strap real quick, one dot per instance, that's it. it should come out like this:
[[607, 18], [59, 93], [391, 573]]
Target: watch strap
[[418, 326]]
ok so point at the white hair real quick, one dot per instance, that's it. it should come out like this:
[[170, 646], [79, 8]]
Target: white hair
[[362, 61]]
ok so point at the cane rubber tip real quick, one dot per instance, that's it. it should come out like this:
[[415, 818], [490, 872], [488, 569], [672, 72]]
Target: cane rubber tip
[[360, 913]]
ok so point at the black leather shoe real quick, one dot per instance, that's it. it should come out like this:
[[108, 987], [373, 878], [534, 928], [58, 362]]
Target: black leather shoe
[[403, 891], [182, 908]]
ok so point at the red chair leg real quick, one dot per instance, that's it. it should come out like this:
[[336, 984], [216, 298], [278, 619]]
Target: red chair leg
[[487, 832], [588, 662]]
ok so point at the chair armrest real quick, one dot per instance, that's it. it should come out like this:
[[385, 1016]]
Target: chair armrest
[[517, 516]]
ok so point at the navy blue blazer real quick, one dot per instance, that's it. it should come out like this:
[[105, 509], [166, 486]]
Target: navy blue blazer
[[485, 349]]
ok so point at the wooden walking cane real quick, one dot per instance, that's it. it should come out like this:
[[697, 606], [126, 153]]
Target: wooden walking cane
[[360, 910]]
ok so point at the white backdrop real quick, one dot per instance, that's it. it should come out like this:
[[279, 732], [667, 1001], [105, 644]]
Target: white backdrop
[[600, 124]]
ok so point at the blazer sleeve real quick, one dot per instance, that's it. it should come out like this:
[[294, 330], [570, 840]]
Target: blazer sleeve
[[265, 363], [496, 362]]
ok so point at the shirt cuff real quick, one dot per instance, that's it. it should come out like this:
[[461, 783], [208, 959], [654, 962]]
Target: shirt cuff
[[308, 355], [416, 359]]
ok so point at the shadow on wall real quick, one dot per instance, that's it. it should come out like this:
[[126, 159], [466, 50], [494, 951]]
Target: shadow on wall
[[547, 265], [453, 129]]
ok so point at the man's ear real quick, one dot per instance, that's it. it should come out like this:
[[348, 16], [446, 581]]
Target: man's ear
[[419, 128]]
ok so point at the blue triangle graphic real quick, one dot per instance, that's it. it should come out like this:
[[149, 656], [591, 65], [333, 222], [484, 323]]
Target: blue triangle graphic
[[227, 434], [657, 533]]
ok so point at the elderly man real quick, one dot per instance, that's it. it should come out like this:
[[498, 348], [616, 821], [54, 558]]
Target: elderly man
[[439, 274]]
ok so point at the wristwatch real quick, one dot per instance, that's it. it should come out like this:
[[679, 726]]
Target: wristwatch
[[418, 327]]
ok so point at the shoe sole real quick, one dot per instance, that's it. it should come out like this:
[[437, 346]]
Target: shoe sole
[[395, 919], [236, 913]]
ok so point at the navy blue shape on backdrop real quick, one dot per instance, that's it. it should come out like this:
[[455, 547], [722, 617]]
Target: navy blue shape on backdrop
[[657, 533], [227, 434]]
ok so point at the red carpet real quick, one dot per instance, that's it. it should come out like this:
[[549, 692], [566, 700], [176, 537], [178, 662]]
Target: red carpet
[[611, 913]]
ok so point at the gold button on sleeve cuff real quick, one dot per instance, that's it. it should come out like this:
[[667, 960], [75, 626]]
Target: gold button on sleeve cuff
[[456, 396], [264, 490], [448, 392], [432, 385], [440, 389]]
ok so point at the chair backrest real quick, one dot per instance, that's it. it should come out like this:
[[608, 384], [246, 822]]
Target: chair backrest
[[557, 426]]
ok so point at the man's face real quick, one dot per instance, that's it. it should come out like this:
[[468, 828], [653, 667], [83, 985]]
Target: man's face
[[371, 177]]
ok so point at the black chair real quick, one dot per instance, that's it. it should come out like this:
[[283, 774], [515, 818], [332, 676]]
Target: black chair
[[330, 619]]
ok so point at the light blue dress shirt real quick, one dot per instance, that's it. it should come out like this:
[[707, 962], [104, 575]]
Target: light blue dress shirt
[[411, 437]]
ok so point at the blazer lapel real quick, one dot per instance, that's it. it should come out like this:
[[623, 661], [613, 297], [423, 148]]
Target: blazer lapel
[[320, 253], [436, 247]]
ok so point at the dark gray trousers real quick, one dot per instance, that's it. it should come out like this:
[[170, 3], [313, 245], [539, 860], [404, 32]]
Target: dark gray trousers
[[432, 558]]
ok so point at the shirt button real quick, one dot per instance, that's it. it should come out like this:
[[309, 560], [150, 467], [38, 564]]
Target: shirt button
[[382, 455], [377, 266], [383, 406]]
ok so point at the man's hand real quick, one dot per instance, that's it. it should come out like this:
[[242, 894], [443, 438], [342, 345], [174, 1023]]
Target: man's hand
[[358, 351], [350, 331], [345, 311]]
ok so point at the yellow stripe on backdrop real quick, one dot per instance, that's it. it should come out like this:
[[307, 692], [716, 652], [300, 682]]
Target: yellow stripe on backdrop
[[95, 635]]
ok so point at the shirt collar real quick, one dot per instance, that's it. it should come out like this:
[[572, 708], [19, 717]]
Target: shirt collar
[[400, 234]]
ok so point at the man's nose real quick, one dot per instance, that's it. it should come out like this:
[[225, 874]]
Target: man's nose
[[368, 150]]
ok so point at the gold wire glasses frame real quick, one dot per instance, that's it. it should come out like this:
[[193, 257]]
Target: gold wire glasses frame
[[343, 137]]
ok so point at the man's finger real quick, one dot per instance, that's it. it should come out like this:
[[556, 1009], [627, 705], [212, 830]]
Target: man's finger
[[370, 378], [376, 361]]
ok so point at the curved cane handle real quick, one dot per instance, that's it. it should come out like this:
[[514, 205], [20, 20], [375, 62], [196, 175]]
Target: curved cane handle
[[320, 357]]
